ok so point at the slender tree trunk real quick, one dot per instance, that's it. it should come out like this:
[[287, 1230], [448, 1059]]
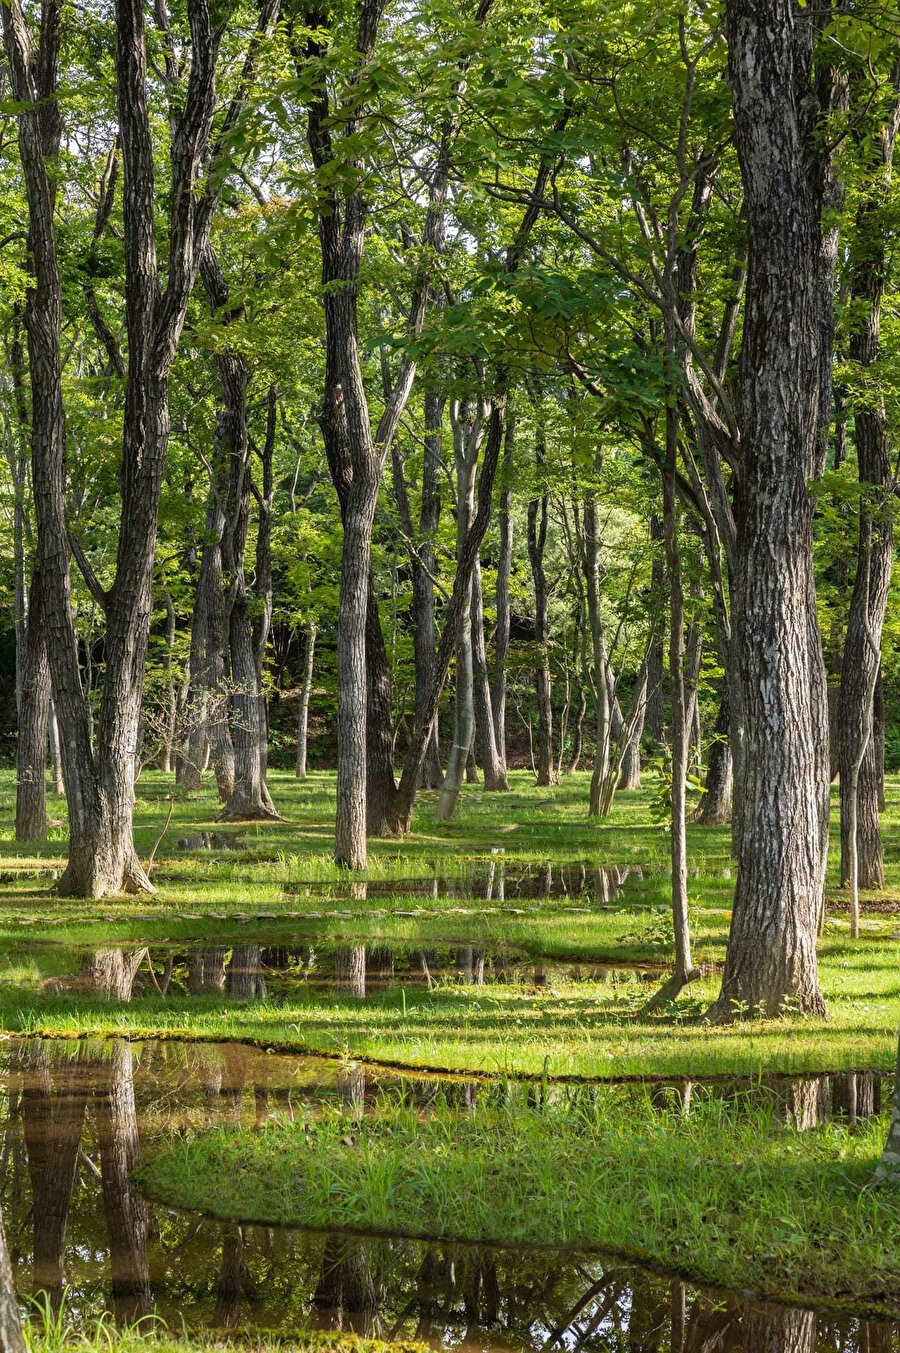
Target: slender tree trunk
[[34, 709], [715, 805], [56, 773], [467, 420], [630, 774], [305, 692], [771, 953], [655, 698], [167, 753], [504, 570], [423, 569], [682, 684], [491, 765], [537, 540]]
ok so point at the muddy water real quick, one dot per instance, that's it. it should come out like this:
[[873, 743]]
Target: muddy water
[[80, 1116]]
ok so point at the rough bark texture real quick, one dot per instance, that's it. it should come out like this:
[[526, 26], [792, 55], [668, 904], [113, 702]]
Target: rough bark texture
[[655, 699], [305, 692], [102, 858], [492, 767], [350, 969], [423, 570], [772, 945], [715, 805], [537, 542], [504, 570], [467, 420], [34, 709], [862, 857], [249, 798]]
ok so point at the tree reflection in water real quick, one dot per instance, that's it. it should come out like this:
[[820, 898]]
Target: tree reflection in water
[[79, 1117]]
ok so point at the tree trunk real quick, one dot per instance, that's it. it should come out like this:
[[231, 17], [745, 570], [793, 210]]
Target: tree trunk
[[34, 709], [862, 856], [771, 955], [682, 684], [423, 569], [243, 976], [715, 805], [56, 773], [656, 719], [100, 799], [488, 751], [504, 570], [305, 692], [537, 540], [467, 420], [630, 774]]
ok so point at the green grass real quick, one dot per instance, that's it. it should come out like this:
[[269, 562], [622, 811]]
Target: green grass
[[732, 1199], [56, 1334], [575, 1029]]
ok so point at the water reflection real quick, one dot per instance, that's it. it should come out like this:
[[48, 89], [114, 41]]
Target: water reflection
[[495, 879], [259, 971], [79, 1117]]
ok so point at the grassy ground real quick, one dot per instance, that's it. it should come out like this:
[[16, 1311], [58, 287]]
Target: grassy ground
[[281, 885], [734, 1200]]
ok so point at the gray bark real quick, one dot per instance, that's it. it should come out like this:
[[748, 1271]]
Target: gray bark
[[771, 954]]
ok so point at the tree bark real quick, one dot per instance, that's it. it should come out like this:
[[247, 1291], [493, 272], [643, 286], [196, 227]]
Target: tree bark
[[423, 569], [504, 570], [862, 856], [485, 732], [102, 858], [771, 955], [467, 420], [305, 692], [715, 805], [34, 709], [655, 698], [537, 541], [56, 772]]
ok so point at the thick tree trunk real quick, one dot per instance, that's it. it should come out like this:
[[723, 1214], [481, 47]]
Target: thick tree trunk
[[102, 858], [34, 709], [771, 955], [305, 693], [244, 976], [862, 861]]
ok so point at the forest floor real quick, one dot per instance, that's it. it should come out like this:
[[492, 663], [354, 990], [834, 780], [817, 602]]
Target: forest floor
[[521, 940]]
